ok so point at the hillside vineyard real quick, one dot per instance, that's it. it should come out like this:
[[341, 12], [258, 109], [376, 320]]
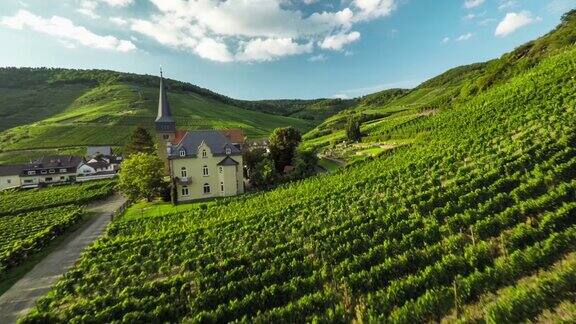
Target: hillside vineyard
[[484, 198]]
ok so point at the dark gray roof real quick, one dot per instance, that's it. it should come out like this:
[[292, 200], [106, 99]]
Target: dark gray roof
[[58, 161], [7, 170], [228, 161], [164, 120], [94, 150], [216, 141]]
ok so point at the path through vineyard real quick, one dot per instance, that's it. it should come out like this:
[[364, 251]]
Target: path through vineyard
[[20, 297]]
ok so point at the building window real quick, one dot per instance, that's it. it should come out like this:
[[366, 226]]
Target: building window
[[185, 191], [9, 181], [51, 171], [183, 172], [228, 151], [62, 178], [182, 152], [31, 172], [205, 170], [48, 179], [62, 170], [204, 153], [43, 172], [206, 188], [220, 169], [28, 181], [166, 136], [222, 186]]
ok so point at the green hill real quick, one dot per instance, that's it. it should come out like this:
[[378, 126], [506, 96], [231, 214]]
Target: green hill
[[61, 111], [475, 221], [385, 113]]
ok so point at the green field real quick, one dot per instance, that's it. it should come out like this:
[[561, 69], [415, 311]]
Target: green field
[[70, 117], [478, 210]]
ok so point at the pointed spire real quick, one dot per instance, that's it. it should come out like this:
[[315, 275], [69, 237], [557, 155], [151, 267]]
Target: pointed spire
[[164, 120]]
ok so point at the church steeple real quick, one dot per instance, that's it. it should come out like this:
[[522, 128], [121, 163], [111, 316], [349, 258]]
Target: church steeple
[[164, 121]]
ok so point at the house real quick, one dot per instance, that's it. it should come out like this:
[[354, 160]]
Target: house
[[92, 151], [201, 163], [50, 170], [260, 144], [100, 163], [10, 176]]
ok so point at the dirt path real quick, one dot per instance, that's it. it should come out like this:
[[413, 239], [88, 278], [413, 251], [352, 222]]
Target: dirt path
[[21, 297]]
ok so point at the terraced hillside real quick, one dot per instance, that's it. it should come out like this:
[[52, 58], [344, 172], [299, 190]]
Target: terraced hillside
[[68, 110], [481, 204], [383, 113]]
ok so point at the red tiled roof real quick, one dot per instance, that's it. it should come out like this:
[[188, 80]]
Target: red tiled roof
[[234, 135], [178, 137]]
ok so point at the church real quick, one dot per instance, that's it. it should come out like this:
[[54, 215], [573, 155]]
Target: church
[[202, 164]]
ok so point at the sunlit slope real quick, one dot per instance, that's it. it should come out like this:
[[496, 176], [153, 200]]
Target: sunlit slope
[[483, 197], [384, 112], [106, 115]]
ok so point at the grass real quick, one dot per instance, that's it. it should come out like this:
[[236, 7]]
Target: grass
[[329, 165], [107, 114], [35, 103], [146, 209]]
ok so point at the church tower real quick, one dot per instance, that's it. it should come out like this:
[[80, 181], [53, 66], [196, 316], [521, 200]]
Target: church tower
[[164, 123]]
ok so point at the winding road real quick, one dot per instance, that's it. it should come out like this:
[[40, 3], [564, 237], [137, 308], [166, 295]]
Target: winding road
[[18, 300]]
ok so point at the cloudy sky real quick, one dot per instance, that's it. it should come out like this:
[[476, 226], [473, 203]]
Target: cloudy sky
[[256, 49]]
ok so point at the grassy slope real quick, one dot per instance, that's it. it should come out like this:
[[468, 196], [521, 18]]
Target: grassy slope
[[386, 111], [106, 114], [483, 197]]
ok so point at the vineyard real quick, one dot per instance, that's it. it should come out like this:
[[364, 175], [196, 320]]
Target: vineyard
[[482, 202], [12, 202], [31, 219], [24, 234]]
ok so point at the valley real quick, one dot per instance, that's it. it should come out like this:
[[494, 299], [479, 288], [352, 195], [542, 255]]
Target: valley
[[456, 204]]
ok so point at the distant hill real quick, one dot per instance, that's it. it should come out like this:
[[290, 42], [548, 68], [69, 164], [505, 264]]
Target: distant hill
[[51, 111]]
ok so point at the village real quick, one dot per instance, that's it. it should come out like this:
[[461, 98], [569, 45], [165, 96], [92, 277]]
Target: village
[[199, 164]]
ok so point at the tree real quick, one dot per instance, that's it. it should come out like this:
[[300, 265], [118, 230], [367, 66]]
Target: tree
[[353, 132], [140, 141], [264, 173], [305, 162], [283, 143], [142, 176], [251, 158]]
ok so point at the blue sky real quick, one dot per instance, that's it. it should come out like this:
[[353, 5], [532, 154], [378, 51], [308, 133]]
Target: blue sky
[[260, 49]]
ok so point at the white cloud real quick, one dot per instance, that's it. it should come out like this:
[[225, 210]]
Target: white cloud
[[257, 30], [119, 21], [317, 58], [338, 41], [211, 49], [65, 31], [88, 8], [118, 3], [271, 48], [464, 37], [341, 96], [370, 9], [507, 4], [513, 21], [473, 3], [445, 39]]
